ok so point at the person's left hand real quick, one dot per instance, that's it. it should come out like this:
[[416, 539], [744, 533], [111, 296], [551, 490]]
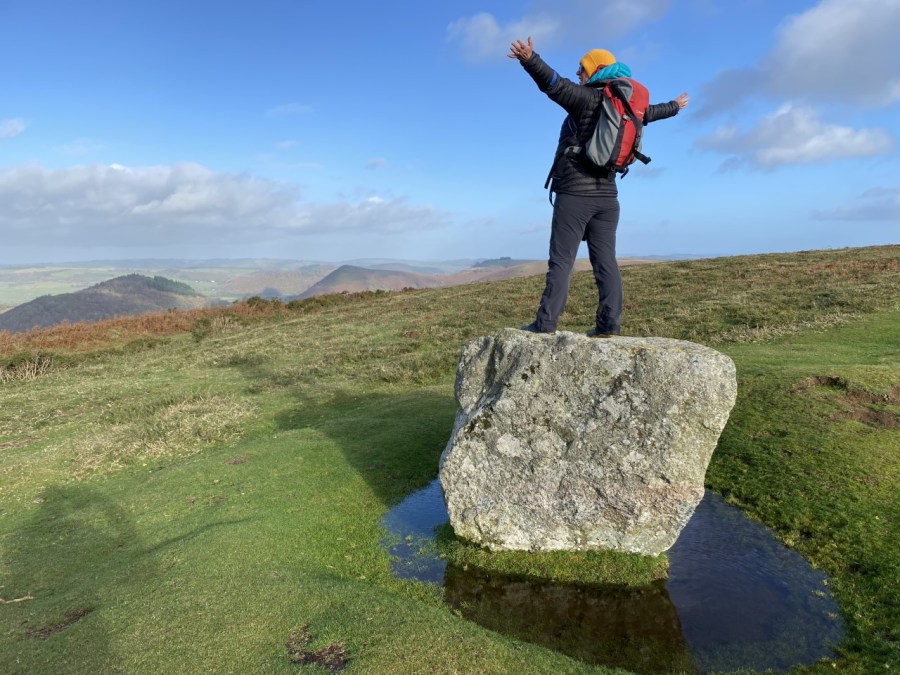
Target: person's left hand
[[520, 50], [682, 101]]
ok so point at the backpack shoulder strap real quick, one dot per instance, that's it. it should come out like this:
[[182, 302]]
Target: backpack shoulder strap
[[561, 152]]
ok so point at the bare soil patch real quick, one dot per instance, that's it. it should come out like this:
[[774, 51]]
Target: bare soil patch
[[832, 381], [858, 405], [883, 419], [334, 657]]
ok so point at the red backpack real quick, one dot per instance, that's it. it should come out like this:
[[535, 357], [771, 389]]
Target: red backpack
[[616, 141]]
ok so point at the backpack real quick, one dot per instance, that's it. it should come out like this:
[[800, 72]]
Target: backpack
[[616, 141]]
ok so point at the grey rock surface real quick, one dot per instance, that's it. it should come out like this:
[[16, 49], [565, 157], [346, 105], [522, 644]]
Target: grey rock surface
[[563, 442]]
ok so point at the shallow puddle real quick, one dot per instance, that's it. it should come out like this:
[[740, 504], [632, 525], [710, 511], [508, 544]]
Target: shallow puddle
[[735, 597]]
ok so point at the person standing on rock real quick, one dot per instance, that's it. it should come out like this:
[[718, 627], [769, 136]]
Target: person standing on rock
[[587, 202]]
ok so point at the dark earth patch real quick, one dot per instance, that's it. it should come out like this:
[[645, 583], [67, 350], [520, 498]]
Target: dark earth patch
[[240, 459], [884, 419], [832, 381], [71, 617], [334, 657], [868, 398], [858, 405]]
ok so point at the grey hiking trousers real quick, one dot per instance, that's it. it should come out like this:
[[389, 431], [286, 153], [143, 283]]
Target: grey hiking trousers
[[593, 219]]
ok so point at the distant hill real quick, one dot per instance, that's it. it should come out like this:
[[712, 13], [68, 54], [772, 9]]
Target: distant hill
[[352, 279], [419, 267], [122, 296], [406, 267], [232, 280], [505, 261], [274, 283]]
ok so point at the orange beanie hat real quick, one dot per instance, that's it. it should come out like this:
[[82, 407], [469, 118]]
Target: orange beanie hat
[[596, 59]]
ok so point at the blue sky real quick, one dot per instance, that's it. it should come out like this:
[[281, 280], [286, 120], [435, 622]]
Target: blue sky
[[336, 131]]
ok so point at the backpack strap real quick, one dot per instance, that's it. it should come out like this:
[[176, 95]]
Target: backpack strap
[[559, 155]]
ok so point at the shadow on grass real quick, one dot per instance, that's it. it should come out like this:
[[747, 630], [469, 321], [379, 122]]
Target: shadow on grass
[[77, 553], [393, 440], [61, 557]]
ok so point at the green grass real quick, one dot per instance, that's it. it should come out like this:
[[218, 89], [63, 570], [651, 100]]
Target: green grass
[[195, 505]]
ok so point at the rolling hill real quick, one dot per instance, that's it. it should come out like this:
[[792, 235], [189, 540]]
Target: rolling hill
[[352, 279], [122, 296], [233, 280]]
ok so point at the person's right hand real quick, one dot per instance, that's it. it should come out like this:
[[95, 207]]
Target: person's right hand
[[520, 50], [682, 101]]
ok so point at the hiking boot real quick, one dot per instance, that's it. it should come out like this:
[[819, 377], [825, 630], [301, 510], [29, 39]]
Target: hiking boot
[[532, 328], [596, 333]]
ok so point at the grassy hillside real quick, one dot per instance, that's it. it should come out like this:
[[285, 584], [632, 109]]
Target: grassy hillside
[[205, 495]]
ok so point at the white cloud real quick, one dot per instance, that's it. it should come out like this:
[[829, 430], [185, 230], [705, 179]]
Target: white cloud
[[288, 109], [482, 37], [836, 52], [877, 204], [376, 163], [840, 49], [375, 214], [286, 145], [102, 206], [795, 135], [11, 127]]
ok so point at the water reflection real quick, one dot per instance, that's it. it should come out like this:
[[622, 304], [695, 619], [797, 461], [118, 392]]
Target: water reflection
[[735, 598], [629, 628]]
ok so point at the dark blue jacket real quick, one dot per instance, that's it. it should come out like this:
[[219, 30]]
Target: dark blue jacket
[[583, 102]]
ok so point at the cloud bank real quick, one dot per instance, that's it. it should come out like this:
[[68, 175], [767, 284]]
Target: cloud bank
[[483, 37], [820, 52], [795, 135], [838, 51], [103, 206], [878, 204]]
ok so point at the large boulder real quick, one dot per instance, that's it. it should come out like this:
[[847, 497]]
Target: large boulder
[[563, 442]]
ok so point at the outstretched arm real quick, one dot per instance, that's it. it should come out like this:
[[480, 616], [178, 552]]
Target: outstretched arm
[[660, 111], [572, 97]]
